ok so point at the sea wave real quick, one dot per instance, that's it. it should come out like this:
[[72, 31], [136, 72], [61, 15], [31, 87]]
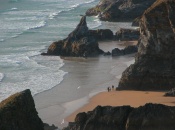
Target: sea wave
[[40, 24], [54, 14], [13, 9], [36, 73], [90, 1]]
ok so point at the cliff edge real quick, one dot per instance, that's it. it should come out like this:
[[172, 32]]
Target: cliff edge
[[154, 67]]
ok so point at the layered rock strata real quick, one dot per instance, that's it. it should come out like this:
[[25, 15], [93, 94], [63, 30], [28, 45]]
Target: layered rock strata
[[147, 117], [18, 113], [78, 43], [154, 67], [120, 10]]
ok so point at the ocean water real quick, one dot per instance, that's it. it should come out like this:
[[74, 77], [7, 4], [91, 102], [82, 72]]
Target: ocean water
[[27, 28]]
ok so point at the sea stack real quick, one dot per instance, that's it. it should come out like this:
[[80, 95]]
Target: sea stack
[[18, 113], [154, 67], [119, 10], [79, 43]]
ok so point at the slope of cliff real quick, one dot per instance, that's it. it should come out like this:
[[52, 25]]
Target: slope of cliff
[[18, 113], [154, 67]]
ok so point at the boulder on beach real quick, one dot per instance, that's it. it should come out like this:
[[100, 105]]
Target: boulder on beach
[[79, 43], [18, 113], [147, 117], [119, 10], [154, 67]]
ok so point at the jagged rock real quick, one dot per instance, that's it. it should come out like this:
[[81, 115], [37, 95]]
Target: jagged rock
[[18, 113], [119, 10], [151, 117], [102, 118], [78, 43], [127, 34], [170, 93], [107, 53], [147, 117], [154, 67], [48, 127], [127, 50], [102, 34]]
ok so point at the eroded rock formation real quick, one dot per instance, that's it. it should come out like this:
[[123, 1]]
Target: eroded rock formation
[[102, 34], [18, 113], [154, 67], [147, 117], [120, 10], [127, 34], [127, 50], [78, 43]]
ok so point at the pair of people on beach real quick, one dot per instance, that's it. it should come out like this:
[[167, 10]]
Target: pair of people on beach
[[109, 88]]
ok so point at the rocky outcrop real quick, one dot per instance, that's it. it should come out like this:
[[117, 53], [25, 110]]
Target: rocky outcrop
[[48, 127], [119, 10], [147, 117], [102, 34], [154, 67], [18, 113], [78, 43], [170, 93], [127, 50], [127, 34], [136, 21]]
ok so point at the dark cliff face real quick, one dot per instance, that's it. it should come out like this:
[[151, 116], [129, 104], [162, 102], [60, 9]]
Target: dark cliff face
[[120, 10], [78, 43], [18, 113], [154, 67], [147, 117]]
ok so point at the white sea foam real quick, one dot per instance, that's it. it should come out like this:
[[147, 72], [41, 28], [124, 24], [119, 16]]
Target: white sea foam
[[89, 1], [1, 40], [40, 24], [35, 73], [13, 9], [74, 6], [1, 76], [53, 15]]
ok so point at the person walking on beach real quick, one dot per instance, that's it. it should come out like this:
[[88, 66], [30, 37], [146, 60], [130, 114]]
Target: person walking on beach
[[109, 89], [112, 87]]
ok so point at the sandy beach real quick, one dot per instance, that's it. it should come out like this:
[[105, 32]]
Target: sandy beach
[[120, 98], [84, 79]]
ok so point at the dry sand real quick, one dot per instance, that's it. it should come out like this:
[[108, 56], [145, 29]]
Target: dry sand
[[120, 98]]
